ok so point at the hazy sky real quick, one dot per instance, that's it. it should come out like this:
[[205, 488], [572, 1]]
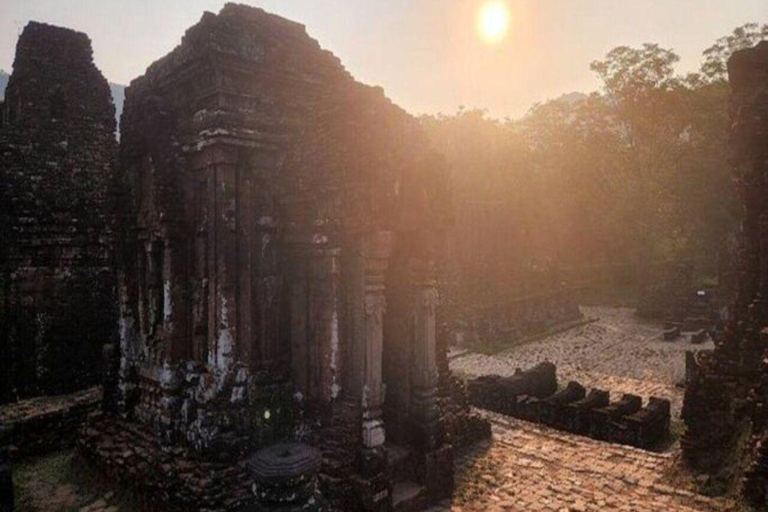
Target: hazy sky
[[425, 53]]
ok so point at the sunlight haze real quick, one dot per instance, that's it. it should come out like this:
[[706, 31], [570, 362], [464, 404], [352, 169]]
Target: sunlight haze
[[427, 54]]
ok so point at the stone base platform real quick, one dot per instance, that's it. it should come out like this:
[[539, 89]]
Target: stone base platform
[[166, 478]]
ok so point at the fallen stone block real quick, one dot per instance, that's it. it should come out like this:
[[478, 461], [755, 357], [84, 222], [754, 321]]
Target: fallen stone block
[[553, 408], [500, 394], [528, 408], [643, 429], [578, 413], [699, 337], [629, 404]]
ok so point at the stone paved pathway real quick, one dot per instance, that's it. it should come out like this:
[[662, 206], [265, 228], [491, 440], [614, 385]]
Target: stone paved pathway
[[529, 467], [619, 353]]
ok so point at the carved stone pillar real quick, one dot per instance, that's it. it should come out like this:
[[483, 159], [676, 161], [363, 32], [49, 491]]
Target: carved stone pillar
[[424, 408], [435, 466], [323, 317], [374, 488], [373, 387], [374, 304]]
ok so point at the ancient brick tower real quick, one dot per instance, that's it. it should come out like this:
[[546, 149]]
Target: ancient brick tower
[[726, 398], [280, 248], [57, 153]]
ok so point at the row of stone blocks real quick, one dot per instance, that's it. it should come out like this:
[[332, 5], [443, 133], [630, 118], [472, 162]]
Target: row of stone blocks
[[533, 396]]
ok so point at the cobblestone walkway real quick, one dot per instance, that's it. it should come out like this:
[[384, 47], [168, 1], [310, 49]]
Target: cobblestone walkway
[[529, 468], [618, 352]]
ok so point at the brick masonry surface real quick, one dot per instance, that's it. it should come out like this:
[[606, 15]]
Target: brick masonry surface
[[529, 468]]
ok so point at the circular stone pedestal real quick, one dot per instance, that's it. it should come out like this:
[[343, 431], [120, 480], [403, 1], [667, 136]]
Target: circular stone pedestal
[[285, 478]]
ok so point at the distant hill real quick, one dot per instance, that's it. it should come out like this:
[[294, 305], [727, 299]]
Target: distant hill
[[118, 93]]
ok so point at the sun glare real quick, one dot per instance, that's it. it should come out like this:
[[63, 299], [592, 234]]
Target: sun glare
[[493, 21]]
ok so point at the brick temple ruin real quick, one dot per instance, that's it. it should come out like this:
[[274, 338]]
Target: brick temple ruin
[[57, 166], [281, 228], [726, 395], [262, 257]]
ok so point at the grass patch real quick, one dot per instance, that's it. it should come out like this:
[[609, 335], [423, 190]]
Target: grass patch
[[42, 474]]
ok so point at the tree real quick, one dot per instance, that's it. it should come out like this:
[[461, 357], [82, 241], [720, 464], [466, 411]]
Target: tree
[[714, 68], [633, 174]]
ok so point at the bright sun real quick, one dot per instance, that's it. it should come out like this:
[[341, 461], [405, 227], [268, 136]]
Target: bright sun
[[493, 21]]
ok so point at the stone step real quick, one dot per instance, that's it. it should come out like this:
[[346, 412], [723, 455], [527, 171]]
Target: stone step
[[408, 496]]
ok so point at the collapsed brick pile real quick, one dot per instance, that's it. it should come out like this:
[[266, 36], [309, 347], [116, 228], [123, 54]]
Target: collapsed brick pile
[[163, 476], [533, 396], [57, 169], [726, 397]]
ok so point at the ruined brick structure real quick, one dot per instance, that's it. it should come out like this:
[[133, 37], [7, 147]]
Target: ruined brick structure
[[491, 325], [57, 169], [726, 396], [501, 285], [278, 277], [671, 295], [533, 396]]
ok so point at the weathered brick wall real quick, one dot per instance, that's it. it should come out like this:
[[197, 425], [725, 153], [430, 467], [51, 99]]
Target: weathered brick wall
[[57, 167], [484, 325], [252, 151], [726, 397], [281, 229]]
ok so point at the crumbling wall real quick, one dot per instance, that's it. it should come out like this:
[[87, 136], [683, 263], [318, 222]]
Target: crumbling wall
[[57, 169], [487, 326], [45, 424], [726, 398]]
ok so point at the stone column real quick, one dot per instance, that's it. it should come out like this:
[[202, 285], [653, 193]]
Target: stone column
[[424, 408], [373, 387], [374, 489], [435, 465], [324, 320]]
